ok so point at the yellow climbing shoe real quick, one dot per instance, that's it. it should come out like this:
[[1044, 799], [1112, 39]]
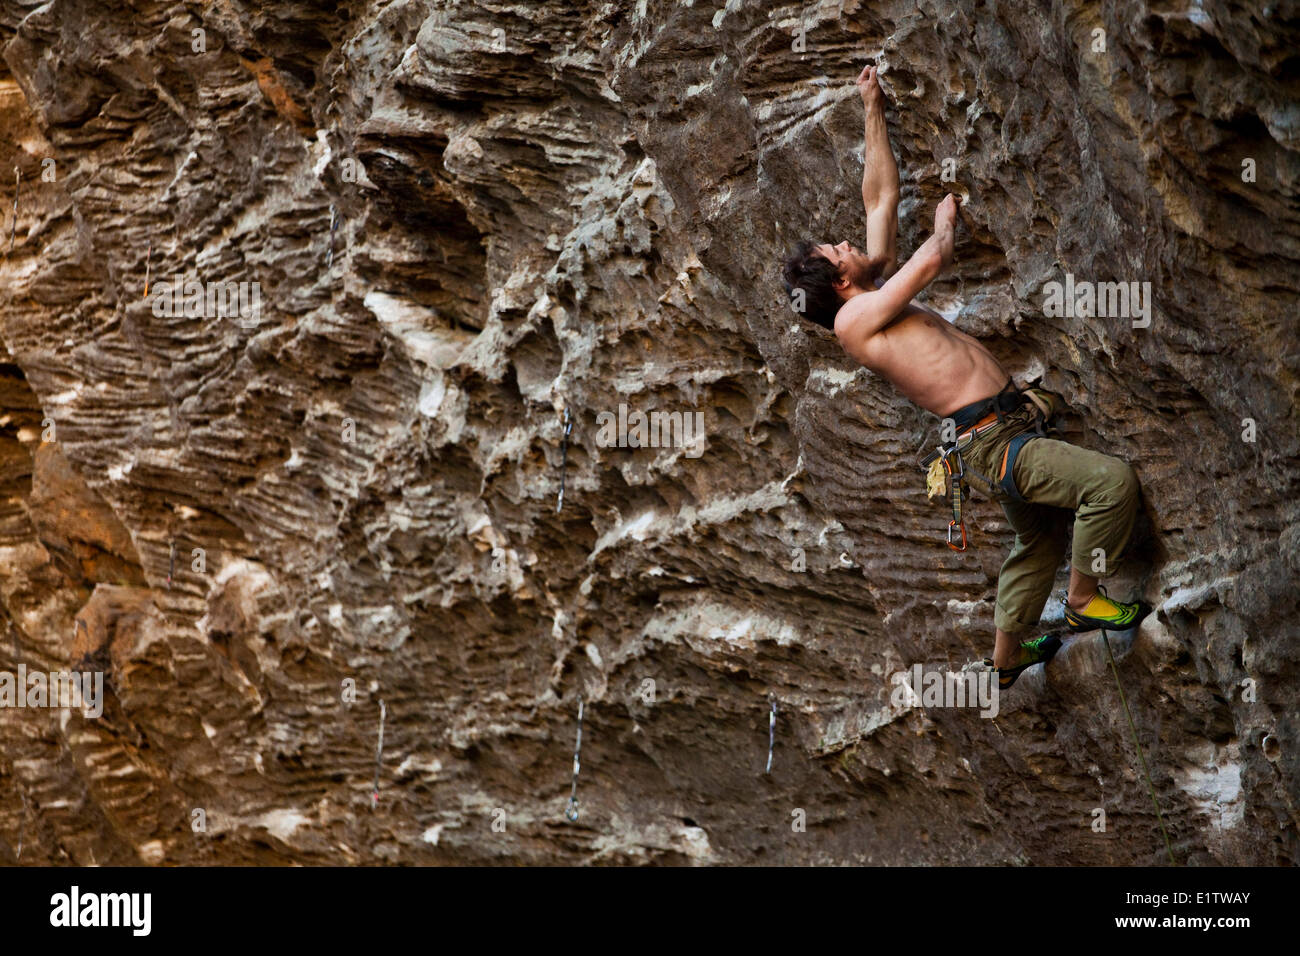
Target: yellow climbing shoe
[[1103, 612]]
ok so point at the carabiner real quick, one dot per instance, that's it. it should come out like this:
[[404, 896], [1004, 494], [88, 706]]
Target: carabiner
[[954, 524]]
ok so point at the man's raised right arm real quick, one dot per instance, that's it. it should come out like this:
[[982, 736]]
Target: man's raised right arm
[[879, 176]]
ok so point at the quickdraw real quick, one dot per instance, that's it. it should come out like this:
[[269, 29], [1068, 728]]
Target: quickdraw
[[564, 456], [334, 225], [571, 809], [13, 229], [379, 754], [956, 482], [771, 735], [22, 825]]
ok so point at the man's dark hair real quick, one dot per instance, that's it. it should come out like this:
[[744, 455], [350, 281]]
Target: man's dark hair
[[808, 270]]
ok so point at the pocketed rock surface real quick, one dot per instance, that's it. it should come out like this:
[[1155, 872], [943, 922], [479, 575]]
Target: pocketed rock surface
[[540, 207]]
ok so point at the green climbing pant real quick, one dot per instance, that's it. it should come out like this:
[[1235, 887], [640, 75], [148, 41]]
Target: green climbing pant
[[1056, 479]]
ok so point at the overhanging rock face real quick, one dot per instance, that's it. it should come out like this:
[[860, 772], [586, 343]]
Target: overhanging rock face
[[464, 219]]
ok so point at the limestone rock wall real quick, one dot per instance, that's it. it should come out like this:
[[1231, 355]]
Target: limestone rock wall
[[548, 206]]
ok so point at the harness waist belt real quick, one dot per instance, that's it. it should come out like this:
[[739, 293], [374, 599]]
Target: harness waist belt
[[1007, 400], [990, 419]]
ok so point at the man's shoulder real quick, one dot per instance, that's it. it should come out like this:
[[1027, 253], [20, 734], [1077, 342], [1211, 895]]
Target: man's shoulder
[[855, 305], [849, 310], [852, 334]]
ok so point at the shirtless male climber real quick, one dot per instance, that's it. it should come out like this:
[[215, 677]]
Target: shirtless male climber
[[867, 301]]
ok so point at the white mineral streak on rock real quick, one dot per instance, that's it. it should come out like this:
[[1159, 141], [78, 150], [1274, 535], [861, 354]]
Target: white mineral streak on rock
[[323, 153], [418, 329], [1213, 784], [282, 823]]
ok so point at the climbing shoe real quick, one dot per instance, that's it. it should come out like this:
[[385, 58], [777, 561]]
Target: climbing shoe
[[1103, 612], [1038, 651]]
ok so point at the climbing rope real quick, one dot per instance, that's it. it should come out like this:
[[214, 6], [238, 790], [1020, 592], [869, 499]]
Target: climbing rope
[[379, 752], [571, 811], [564, 456], [1133, 727], [771, 736]]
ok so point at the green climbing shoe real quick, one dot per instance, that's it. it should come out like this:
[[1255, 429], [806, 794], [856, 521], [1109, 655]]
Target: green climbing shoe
[[1038, 651], [1105, 613]]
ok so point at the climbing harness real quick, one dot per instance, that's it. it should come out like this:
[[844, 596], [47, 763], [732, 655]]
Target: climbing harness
[[379, 753], [771, 735], [571, 810], [334, 224], [1136, 743], [13, 228], [564, 456], [946, 472]]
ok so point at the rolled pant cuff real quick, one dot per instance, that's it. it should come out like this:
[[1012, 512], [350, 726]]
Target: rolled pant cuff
[[1005, 620]]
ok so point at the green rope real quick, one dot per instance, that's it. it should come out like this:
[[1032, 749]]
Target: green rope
[[1150, 787]]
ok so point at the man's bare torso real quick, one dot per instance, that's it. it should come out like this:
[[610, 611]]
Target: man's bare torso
[[932, 362]]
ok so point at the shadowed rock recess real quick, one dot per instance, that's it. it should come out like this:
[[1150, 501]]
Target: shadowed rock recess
[[582, 205]]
